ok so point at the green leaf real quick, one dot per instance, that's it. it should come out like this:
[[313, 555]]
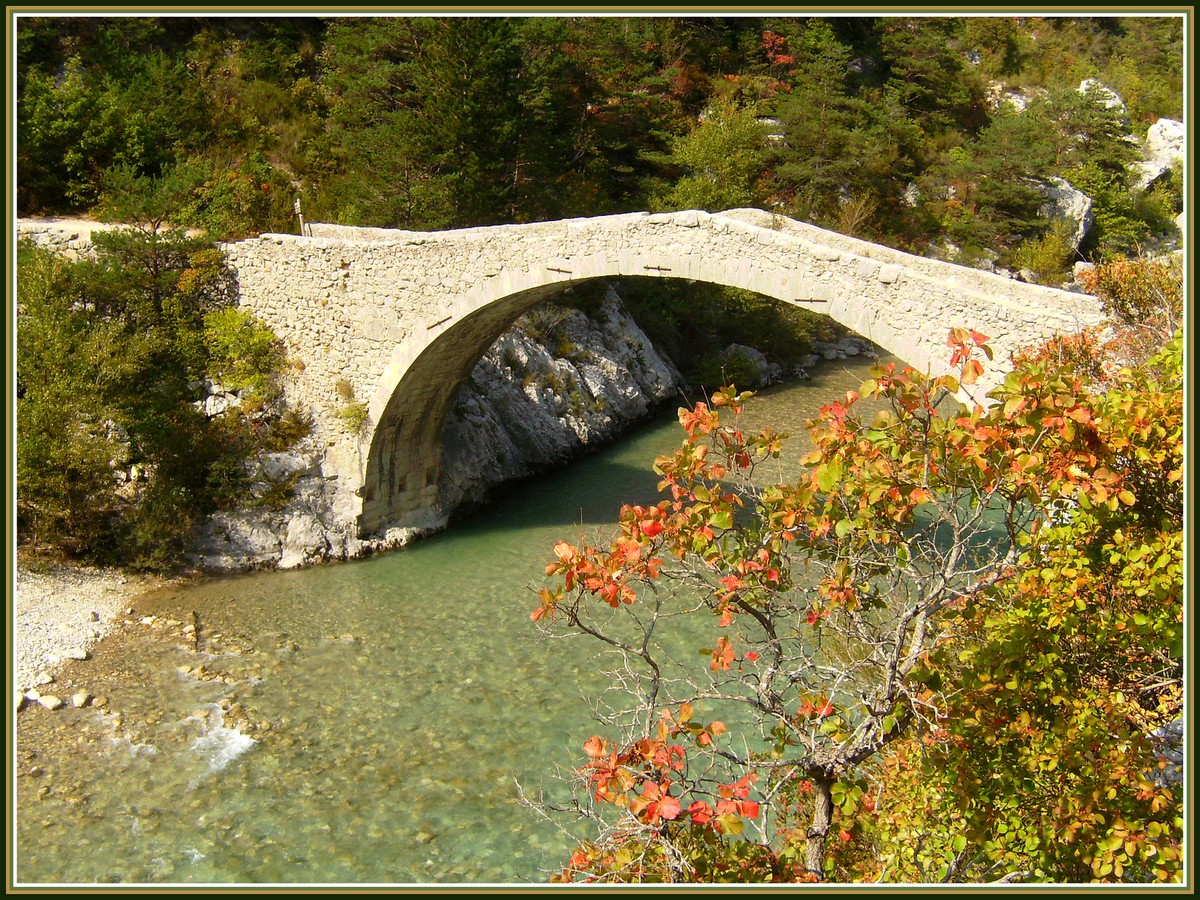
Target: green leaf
[[721, 519], [829, 476]]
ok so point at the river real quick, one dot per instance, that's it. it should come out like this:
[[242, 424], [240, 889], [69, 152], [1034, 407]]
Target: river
[[363, 723]]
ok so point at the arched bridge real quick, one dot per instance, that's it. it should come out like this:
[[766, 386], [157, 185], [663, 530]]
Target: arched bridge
[[396, 320]]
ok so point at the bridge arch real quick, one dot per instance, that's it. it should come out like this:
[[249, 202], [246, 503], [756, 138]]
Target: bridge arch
[[408, 314], [416, 395]]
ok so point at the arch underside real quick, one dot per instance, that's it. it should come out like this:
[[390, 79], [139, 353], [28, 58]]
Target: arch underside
[[403, 466]]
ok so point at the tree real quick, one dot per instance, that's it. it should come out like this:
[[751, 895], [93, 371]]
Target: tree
[[994, 198], [1144, 297], [424, 115], [819, 114], [723, 158], [1044, 761], [830, 613], [113, 354]]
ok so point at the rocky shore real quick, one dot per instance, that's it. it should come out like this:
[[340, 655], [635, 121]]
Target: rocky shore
[[59, 613]]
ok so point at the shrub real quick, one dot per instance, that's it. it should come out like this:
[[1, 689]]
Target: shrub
[[1048, 256]]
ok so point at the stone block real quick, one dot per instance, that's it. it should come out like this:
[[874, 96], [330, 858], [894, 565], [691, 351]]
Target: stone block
[[890, 273], [866, 268]]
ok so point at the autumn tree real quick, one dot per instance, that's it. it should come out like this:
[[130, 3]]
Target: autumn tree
[[822, 607], [1056, 683]]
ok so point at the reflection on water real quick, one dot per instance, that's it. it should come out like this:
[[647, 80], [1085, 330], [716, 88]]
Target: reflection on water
[[359, 723]]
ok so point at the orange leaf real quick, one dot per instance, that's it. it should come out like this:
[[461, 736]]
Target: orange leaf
[[971, 371]]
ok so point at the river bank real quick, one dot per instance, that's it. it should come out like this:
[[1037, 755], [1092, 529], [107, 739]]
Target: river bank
[[61, 611]]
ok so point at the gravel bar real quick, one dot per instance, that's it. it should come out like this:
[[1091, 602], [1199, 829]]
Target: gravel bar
[[61, 611]]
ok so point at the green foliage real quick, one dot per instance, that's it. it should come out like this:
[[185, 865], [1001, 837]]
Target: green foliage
[[244, 355], [694, 323], [997, 40], [723, 158], [1118, 228], [1162, 203], [448, 121], [993, 198], [723, 368], [1049, 257], [66, 445], [1043, 762], [354, 416], [111, 353], [353, 413]]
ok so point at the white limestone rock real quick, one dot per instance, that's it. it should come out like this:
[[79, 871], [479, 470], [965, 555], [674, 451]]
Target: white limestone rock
[[526, 408], [304, 541], [1064, 201], [237, 541], [1163, 148], [278, 467]]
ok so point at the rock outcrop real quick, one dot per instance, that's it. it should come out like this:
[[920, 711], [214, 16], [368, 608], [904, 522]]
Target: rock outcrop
[[557, 384], [1163, 149], [1066, 203]]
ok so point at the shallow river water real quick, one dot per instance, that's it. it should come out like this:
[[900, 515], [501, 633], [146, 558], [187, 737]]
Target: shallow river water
[[358, 723]]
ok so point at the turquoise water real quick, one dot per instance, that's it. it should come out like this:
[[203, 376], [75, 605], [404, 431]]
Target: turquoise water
[[360, 723]]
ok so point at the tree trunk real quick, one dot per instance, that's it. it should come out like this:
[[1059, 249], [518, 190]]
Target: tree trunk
[[822, 818]]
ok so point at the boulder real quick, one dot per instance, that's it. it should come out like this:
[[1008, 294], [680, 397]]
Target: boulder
[[233, 541], [304, 541], [752, 364], [1163, 148], [1065, 202]]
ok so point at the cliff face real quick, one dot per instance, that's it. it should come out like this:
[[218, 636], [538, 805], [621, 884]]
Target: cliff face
[[559, 383]]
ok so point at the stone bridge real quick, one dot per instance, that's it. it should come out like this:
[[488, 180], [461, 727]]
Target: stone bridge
[[392, 322]]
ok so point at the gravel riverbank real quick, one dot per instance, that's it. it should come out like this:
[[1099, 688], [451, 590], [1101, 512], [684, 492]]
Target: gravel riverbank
[[59, 612]]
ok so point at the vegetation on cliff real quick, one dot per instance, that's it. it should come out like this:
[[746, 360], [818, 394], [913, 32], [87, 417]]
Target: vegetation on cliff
[[118, 455]]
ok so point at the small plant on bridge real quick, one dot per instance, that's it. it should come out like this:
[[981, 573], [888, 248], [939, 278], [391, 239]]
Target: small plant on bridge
[[889, 631], [354, 413]]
